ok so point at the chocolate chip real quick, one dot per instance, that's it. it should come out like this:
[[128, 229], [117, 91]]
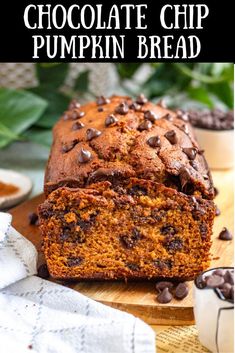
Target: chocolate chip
[[74, 104], [216, 191], [215, 119], [150, 115], [190, 152], [119, 189], [30, 346], [203, 227], [168, 230], [65, 234], [80, 237], [157, 214], [74, 261], [84, 225], [77, 114], [232, 293], [181, 291], [217, 211], [218, 272], [33, 218], [122, 108], [43, 271], [66, 117], [229, 277], [136, 107], [163, 264], [205, 176], [77, 125], [185, 117], [133, 267], [198, 211], [164, 284], [101, 266], [142, 220], [168, 117], [141, 99], [194, 201], [88, 223], [137, 190], [130, 240], [171, 137], [185, 178], [126, 241], [111, 119], [182, 115], [173, 245], [193, 164], [214, 281], [74, 115], [200, 282], [225, 289], [102, 100], [92, 133], [225, 234], [136, 235], [161, 103], [145, 125], [185, 128], [46, 212], [84, 156], [100, 109], [154, 141], [165, 296], [179, 113], [69, 146]]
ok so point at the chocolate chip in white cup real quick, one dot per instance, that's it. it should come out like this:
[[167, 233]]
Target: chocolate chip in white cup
[[214, 131], [214, 309]]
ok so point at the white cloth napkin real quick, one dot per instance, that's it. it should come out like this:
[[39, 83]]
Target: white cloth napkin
[[39, 316]]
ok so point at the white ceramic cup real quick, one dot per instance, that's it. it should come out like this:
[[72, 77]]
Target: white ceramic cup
[[214, 317], [218, 146]]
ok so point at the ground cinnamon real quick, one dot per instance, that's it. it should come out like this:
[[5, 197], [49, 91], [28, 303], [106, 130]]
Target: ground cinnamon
[[7, 189]]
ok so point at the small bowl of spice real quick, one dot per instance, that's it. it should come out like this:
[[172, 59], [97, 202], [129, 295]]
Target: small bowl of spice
[[214, 309], [214, 130], [14, 188]]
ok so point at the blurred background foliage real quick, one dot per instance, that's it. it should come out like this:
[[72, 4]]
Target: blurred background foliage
[[30, 114]]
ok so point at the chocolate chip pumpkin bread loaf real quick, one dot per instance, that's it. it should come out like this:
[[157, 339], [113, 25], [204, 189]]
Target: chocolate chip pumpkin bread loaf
[[128, 194]]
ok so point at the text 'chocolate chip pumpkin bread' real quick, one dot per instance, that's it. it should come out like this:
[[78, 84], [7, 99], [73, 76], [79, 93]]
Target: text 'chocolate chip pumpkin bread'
[[128, 194]]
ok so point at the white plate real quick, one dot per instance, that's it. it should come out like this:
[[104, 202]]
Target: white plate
[[21, 181]]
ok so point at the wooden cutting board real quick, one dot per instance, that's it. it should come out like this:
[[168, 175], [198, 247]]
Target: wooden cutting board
[[139, 298]]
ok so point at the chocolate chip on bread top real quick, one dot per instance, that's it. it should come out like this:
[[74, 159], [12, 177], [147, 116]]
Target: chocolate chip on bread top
[[129, 193]]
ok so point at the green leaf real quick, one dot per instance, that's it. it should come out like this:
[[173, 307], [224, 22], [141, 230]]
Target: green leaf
[[224, 92], [203, 68], [219, 69], [200, 94], [18, 111], [198, 76], [52, 75], [49, 64], [40, 136], [164, 79], [82, 82], [126, 71], [5, 132], [57, 104]]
